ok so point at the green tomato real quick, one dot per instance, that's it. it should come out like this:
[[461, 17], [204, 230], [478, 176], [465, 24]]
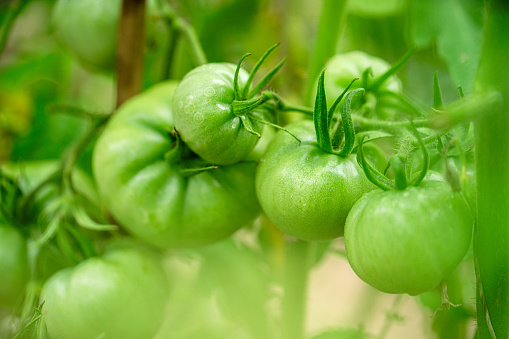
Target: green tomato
[[14, 271], [343, 68], [150, 196], [305, 191], [407, 241], [203, 113], [468, 182], [119, 295], [90, 29]]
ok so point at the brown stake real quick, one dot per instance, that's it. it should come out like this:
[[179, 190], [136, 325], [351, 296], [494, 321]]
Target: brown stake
[[130, 49]]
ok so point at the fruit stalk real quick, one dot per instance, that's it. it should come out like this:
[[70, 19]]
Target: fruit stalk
[[491, 233]]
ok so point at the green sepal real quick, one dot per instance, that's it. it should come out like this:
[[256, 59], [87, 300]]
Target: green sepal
[[83, 219], [320, 117], [187, 172], [418, 179], [372, 173], [398, 168], [248, 126], [330, 114], [346, 116], [378, 81], [366, 77], [267, 78], [438, 102], [236, 89], [265, 122], [240, 108], [245, 90]]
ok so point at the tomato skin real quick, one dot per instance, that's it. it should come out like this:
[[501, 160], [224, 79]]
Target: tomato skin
[[408, 241], [120, 295], [90, 29], [150, 197], [202, 108], [14, 270], [342, 68], [305, 191]]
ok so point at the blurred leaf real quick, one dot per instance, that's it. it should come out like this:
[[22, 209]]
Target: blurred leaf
[[458, 42]]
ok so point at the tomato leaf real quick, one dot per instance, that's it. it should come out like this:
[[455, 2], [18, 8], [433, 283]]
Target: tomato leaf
[[458, 42]]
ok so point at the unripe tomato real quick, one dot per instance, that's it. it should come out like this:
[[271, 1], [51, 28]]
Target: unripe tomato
[[306, 192], [407, 241], [119, 295], [14, 272], [204, 117]]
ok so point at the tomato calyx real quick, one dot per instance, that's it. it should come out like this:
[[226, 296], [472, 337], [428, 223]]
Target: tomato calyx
[[375, 83], [398, 164], [180, 152], [323, 119]]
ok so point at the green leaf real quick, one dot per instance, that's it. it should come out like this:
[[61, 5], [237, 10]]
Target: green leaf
[[456, 35]]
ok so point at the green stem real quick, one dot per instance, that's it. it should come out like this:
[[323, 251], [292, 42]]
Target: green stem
[[297, 265], [391, 316], [174, 35], [187, 31], [491, 232], [15, 7], [332, 20]]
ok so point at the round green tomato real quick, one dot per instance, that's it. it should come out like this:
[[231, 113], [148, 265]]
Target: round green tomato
[[119, 295], [150, 196], [468, 182], [202, 108], [343, 68], [14, 271], [90, 29], [407, 241], [305, 191]]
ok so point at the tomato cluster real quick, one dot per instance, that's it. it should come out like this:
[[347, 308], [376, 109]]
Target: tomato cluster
[[188, 163]]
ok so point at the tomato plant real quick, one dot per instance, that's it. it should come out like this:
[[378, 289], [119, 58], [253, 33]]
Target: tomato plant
[[264, 233], [127, 285]]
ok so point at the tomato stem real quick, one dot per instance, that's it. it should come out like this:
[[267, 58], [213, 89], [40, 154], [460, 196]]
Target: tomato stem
[[332, 21], [491, 232], [298, 254], [400, 182], [174, 22]]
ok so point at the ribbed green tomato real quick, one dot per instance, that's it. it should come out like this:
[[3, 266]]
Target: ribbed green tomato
[[203, 112], [119, 295], [14, 272], [305, 191], [407, 241], [150, 196]]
